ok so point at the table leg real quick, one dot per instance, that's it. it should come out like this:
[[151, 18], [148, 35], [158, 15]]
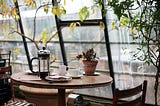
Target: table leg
[[61, 97]]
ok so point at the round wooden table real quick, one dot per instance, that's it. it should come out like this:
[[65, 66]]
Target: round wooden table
[[32, 80]]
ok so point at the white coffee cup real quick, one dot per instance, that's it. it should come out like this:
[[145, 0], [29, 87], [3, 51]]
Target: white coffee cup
[[62, 70], [73, 72]]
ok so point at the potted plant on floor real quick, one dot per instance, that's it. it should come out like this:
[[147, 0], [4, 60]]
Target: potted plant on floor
[[89, 61]]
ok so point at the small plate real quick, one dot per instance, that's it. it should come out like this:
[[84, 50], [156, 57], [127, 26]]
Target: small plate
[[75, 77], [78, 76], [58, 78], [95, 74]]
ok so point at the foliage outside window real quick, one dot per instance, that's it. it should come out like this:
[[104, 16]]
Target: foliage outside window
[[142, 17]]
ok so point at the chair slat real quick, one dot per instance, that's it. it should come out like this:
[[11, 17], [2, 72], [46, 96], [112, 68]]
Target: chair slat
[[129, 92], [135, 102], [133, 92], [6, 69]]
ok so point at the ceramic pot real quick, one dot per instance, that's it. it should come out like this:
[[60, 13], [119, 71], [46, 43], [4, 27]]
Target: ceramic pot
[[89, 66]]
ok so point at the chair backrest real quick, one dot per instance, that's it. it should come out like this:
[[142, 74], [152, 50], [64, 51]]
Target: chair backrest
[[5, 73], [136, 95], [5, 58]]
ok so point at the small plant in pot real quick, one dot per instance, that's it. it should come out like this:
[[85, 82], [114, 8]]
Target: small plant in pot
[[89, 61]]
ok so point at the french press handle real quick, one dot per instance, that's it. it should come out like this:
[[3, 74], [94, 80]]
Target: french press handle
[[34, 58]]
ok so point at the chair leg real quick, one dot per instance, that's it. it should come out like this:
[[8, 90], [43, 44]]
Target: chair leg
[[12, 91]]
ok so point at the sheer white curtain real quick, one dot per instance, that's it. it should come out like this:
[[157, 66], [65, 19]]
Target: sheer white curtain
[[128, 70]]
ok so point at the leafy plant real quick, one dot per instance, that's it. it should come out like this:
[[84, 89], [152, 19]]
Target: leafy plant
[[143, 19], [88, 55], [12, 12]]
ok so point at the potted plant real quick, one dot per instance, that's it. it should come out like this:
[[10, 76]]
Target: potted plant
[[89, 61]]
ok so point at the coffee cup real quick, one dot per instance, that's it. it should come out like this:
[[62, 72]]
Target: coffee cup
[[73, 72], [62, 70]]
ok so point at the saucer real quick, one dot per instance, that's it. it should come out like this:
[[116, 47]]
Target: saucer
[[58, 78], [75, 76], [78, 76], [95, 74]]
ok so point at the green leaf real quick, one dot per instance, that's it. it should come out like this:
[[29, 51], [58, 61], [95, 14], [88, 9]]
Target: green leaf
[[58, 10], [45, 36], [104, 12], [83, 13]]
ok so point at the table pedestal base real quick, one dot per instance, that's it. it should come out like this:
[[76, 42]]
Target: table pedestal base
[[61, 97], [43, 96]]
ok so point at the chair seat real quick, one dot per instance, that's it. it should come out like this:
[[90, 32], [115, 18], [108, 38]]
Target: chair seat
[[18, 103]]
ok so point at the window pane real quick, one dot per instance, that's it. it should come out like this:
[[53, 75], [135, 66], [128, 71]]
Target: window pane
[[93, 33], [37, 22], [77, 5], [81, 39]]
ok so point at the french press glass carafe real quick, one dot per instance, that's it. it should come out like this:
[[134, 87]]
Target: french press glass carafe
[[43, 62]]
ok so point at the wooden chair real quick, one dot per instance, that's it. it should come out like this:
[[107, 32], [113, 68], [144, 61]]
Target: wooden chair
[[5, 73], [136, 96], [6, 85]]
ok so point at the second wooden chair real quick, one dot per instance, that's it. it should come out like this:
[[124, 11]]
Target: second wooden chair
[[138, 93]]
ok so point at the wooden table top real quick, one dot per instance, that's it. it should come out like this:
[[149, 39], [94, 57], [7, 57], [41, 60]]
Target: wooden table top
[[27, 79]]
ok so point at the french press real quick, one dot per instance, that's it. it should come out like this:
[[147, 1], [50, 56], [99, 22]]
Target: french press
[[43, 62]]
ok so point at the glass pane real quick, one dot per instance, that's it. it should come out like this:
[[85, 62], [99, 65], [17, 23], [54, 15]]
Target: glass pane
[[8, 24], [77, 5], [82, 39], [18, 56], [93, 33], [40, 26], [37, 21]]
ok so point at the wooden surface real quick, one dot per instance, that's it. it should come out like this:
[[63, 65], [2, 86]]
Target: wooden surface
[[84, 82], [32, 80]]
